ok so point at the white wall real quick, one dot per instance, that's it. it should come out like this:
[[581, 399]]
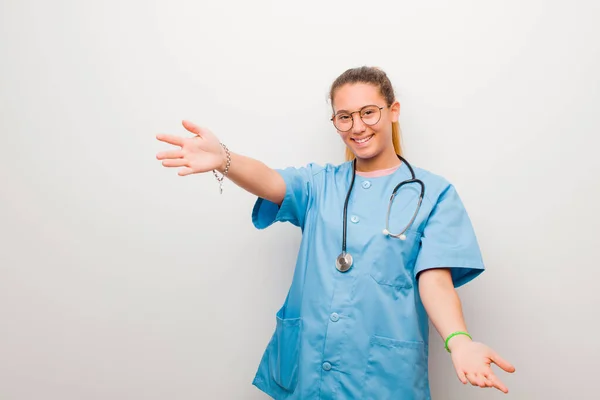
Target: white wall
[[121, 280]]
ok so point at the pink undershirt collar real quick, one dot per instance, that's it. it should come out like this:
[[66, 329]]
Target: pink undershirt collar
[[378, 173]]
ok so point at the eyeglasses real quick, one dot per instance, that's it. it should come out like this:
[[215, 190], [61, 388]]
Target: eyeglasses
[[370, 115]]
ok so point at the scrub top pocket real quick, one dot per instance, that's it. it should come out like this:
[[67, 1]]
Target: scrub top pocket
[[394, 259], [284, 351], [396, 369]]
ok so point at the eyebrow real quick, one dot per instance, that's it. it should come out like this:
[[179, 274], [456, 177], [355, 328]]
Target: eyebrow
[[346, 111]]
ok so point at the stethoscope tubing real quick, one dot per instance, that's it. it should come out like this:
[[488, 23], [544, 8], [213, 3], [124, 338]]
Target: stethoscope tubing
[[344, 261]]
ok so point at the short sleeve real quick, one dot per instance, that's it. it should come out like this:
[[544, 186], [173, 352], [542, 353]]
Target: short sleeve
[[449, 240], [298, 190]]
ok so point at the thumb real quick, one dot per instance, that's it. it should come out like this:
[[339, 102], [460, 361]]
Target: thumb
[[502, 363], [190, 126]]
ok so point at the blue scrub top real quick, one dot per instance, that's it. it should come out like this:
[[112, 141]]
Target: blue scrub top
[[362, 334]]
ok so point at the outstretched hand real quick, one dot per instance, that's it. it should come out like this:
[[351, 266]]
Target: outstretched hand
[[200, 153], [472, 361]]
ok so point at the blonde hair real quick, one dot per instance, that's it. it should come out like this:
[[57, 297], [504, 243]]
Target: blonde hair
[[376, 77]]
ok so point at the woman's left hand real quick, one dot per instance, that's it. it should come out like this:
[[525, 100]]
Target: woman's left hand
[[472, 361]]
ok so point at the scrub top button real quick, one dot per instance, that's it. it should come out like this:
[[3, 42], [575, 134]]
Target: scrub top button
[[366, 184], [354, 219], [326, 366], [334, 317]]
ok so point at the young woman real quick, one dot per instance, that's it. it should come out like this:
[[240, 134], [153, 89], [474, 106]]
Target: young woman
[[373, 266]]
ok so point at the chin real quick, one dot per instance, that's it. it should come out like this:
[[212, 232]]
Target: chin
[[364, 153]]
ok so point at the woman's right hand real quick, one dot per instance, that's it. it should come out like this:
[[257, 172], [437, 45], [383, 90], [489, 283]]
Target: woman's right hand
[[201, 153]]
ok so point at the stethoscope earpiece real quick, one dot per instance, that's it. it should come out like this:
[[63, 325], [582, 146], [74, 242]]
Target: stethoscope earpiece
[[388, 233]]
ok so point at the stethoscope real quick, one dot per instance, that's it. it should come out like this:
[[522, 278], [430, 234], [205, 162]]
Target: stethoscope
[[344, 261]]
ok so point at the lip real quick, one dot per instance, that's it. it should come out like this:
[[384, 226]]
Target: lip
[[363, 143]]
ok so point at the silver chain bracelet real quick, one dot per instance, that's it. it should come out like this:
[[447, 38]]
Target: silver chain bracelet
[[220, 178]]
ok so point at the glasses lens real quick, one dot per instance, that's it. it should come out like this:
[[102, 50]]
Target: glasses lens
[[370, 115], [343, 121]]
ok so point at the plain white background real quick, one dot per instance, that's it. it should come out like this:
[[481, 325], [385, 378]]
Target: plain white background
[[121, 280]]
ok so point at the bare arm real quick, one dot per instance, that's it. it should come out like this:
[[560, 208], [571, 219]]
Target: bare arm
[[203, 153], [255, 177], [442, 304], [472, 360]]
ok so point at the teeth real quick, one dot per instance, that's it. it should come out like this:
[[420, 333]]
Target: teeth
[[363, 140]]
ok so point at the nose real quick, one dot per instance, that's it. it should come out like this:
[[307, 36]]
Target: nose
[[358, 125]]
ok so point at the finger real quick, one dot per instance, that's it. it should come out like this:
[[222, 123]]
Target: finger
[[502, 363], [190, 126], [488, 381], [475, 379], [169, 154], [497, 383], [461, 377], [179, 162], [481, 381], [185, 172], [171, 139], [472, 379]]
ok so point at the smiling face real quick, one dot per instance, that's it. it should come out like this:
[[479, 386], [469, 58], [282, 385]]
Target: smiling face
[[369, 137]]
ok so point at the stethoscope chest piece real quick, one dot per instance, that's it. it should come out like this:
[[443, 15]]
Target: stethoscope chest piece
[[343, 262]]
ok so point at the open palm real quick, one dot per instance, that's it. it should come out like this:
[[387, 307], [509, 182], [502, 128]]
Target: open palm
[[472, 361], [201, 153]]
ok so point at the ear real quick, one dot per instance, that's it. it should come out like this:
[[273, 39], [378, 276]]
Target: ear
[[395, 110]]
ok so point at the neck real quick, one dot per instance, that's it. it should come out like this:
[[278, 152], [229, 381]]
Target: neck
[[384, 160]]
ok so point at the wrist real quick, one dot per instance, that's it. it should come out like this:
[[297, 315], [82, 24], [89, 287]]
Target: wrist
[[456, 340], [225, 156], [223, 168]]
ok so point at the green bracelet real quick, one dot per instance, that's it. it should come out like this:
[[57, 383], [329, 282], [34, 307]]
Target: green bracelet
[[452, 335]]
